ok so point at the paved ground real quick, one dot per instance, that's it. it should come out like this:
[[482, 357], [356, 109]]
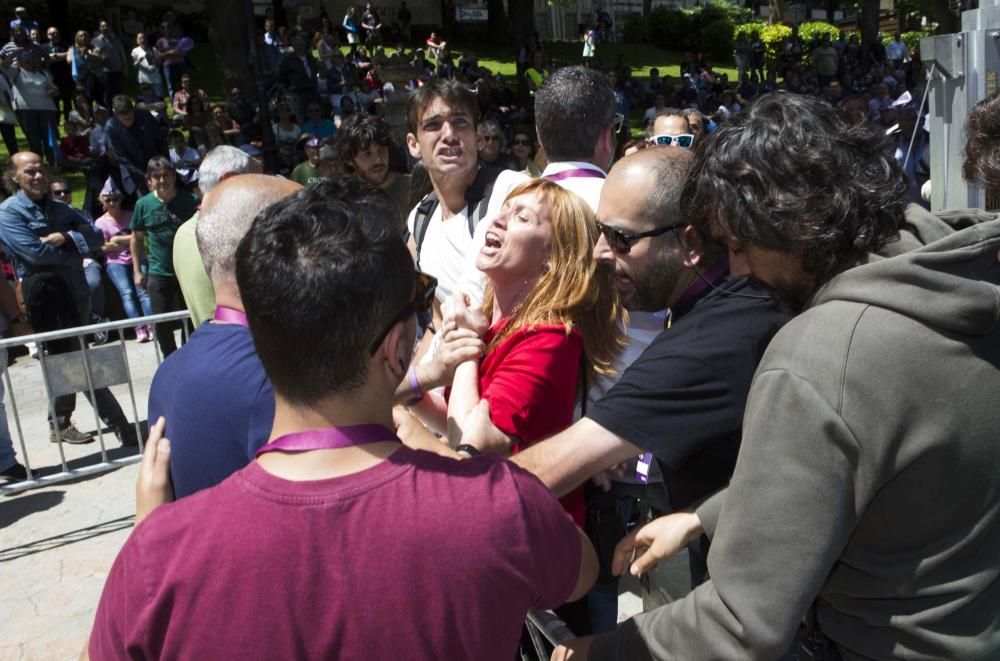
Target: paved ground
[[57, 542]]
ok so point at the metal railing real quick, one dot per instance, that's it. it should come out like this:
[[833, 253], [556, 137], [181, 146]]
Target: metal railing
[[547, 632], [83, 371]]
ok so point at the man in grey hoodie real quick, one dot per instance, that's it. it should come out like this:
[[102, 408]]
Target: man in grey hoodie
[[866, 493]]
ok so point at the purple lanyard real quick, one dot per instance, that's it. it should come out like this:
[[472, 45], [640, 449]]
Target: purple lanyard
[[329, 438], [700, 285], [230, 316], [575, 173]]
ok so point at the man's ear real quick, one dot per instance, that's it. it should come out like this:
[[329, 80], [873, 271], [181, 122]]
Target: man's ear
[[413, 145], [397, 349], [693, 246]]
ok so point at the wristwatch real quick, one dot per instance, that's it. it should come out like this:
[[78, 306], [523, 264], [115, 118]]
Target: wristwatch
[[470, 450]]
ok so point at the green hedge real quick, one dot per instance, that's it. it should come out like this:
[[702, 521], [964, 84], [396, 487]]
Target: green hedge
[[717, 39], [911, 39], [771, 35], [814, 30]]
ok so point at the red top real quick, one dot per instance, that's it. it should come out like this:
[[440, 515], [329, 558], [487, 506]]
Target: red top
[[530, 381]]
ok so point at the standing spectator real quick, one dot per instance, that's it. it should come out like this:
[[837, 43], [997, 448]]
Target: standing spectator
[[196, 287], [537, 72], [60, 68], [158, 215], [93, 261], [113, 60], [372, 23], [47, 247], [307, 171], [589, 44], [271, 54], [115, 225], [8, 118], [174, 61], [405, 17], [132, 26], [244, 113], [134, 137], [350, 25], [34, 97], [22, 23], [84, 64], [824, 61], [758, 52], [298, 72], [147, 64], [13, 323], [364, 145], [523, 149], [895, 52]]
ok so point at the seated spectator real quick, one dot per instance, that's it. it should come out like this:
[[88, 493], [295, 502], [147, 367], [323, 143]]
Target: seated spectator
[[183, 96], [671, 128], [659, 103], [286, 134], [75, 148], [307, 171], [421, 511], [435, 45], [227, 126], [243, 112], [196, 123], [115, 226], [523, 149], [213, 392], [184, 159], [318, 125], [330, 164], [158, 215], [152, 101], [490, 143]]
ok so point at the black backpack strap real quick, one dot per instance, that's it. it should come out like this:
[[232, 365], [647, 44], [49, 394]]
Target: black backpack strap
[[478, 195], [421, 219]]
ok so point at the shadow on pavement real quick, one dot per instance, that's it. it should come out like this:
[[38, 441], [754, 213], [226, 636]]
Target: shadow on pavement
[[12, 510], [64, 539]]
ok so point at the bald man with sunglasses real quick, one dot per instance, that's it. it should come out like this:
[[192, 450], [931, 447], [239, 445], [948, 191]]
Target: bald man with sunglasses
[[683, 399]]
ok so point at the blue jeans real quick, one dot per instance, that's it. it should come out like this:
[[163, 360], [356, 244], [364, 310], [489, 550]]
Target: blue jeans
[[7, 455], [135, 300], [96, 285]]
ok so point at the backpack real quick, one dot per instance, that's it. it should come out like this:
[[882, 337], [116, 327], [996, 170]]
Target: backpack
[[477, 195]]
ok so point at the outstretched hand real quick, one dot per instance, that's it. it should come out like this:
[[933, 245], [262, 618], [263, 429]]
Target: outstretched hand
[[658, 539], [153, 487]]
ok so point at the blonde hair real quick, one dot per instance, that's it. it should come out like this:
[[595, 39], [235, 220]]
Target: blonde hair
[[574, 290]]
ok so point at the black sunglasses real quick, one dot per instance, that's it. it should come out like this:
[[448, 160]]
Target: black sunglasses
[[622, 241], [423, 298], [522, 141]]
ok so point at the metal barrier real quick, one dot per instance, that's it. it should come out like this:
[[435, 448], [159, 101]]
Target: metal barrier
[[83, 371], [547, 632]]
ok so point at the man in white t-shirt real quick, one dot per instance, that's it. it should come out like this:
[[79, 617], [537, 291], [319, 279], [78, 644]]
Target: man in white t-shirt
[[442, 116]]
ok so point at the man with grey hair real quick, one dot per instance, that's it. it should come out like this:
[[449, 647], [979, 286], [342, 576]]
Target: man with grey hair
[[196, 287], [213, 393]]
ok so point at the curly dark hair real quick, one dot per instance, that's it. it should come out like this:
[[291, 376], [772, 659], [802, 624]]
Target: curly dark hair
[[358, 133], [982, 144], [788, 174]]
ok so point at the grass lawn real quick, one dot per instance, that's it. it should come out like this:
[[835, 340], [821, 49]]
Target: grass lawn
[[499, 59]]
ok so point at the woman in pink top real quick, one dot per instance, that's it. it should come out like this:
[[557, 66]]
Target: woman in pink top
[[114, 224]]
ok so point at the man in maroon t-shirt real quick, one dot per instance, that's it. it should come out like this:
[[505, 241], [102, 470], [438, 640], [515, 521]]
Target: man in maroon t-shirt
[[339, 542]]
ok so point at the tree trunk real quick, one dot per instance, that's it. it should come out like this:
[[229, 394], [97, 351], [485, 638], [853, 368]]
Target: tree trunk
[[522, 19], [497, 25], [869, 28], [776, 12], [229, 28]]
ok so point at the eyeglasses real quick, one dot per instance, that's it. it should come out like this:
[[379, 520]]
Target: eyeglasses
[[683, 140], [618, 122], [522, 141], [621, 241], [423, 298], [61, 192]]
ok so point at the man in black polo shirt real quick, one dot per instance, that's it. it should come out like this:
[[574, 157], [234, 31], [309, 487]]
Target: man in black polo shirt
[[683, 398]]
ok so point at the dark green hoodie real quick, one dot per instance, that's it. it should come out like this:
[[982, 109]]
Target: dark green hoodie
[[868, 479]]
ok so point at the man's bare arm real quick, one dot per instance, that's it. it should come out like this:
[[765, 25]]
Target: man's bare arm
[[573, 456]]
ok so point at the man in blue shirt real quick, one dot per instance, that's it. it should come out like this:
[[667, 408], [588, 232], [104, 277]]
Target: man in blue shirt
[[213, 392], [47, 240]]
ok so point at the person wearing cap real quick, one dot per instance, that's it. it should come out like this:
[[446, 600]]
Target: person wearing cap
[[114, 225], [329, 161], [308, 170]]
